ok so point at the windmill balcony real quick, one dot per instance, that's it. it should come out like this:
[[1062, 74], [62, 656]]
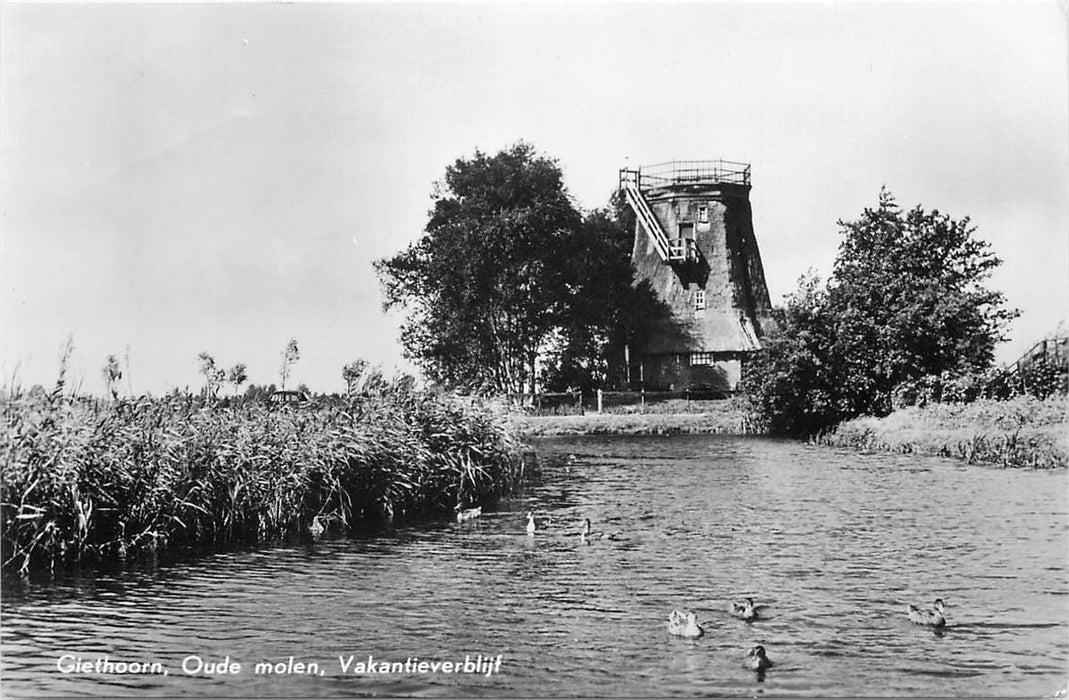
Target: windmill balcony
[[683, 250], [692, 172]]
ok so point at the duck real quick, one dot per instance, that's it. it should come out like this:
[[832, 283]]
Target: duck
[[756, 659], [530, 524], [684, 624], [587, 536], [932, 618], [316, 529], [468, 513], [746, 610]]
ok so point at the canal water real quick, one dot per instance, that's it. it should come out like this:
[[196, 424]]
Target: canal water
[[833, 543]]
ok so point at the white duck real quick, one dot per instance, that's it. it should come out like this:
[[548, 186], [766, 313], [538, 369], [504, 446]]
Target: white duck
[[684, 624]]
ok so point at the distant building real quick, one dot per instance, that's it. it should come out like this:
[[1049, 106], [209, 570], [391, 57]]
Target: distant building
[[695, 245]]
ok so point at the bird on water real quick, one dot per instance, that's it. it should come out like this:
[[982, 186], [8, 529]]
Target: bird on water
[[530, 524], [932, 618], [756, 659], [586, 535], [468, 513], [684, 624], [745, 610]]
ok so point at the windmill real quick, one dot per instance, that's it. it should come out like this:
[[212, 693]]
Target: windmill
[[695, 246]]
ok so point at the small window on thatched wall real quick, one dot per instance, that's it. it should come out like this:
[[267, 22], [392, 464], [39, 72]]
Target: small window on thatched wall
[[701, 358]]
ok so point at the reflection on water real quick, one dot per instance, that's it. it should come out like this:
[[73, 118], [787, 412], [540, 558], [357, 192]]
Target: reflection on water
[[834, 543]]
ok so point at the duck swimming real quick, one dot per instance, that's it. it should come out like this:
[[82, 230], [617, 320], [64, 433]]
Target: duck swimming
[[587, 536], [756, 659], [468, 513], [530, 524], [684, 624], [745, 610], [932, 618]]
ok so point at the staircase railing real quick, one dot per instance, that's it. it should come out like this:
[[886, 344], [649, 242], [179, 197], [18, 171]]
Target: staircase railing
[[629, 181]]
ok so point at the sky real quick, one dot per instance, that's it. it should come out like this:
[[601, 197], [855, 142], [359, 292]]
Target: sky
[[181, 178]]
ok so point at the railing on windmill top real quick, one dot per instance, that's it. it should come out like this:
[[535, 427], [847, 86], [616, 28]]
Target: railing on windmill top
[[692, 172], [635, 183]]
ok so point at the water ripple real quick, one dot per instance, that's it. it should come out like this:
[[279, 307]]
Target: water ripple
[[833, 543]]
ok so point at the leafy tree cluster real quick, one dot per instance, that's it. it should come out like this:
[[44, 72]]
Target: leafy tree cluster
[[509, 277], [906, 300]]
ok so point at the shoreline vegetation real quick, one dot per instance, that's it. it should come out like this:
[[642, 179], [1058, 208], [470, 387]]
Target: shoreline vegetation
[[1019, 432], [87, 480], [729, 417]]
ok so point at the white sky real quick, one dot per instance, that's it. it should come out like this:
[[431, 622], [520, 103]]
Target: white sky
[[179, 178]]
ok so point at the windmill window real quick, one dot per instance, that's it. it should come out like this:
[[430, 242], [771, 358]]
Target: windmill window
[[701, 358], [686, 230], [699, 300], [703, 215]]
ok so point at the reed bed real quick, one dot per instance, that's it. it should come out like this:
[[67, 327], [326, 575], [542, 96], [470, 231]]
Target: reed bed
[[87, 479], [1019, 432]]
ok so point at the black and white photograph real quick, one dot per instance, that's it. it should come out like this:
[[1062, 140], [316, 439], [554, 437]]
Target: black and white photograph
[[467, 349]]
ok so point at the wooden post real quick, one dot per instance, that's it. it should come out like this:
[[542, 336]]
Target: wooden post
[[599, 400]]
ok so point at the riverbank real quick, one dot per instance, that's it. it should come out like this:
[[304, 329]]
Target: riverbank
[[90, 479], [725, 417], [1020, 432]]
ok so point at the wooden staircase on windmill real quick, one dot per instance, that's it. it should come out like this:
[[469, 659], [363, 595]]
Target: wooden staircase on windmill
[[671, 251]]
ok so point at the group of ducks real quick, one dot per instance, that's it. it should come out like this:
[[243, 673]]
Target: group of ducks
[[586, 534], [685, 624]]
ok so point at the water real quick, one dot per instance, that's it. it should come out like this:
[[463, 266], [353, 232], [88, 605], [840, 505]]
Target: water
[[834, 543]]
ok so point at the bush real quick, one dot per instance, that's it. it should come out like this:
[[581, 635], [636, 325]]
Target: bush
[[904, 318]]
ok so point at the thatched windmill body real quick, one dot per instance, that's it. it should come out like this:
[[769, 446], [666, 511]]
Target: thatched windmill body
[[695, 245]]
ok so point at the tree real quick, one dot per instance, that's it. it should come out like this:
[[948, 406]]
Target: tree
[[485, 287], [352, 373], [791, 382], [213, 376], [237, 375], [907, 299], [112, 375], [606, 311], [290, 354]]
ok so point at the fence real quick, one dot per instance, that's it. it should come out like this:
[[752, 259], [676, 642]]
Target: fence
[[556, 402], [599, 401], [642, 398], [1051, 354]]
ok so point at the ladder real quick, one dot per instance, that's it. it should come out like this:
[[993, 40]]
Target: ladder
[[629, 183]]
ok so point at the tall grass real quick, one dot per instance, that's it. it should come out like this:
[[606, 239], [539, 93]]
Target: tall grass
[[88, 479], [1019, 432]]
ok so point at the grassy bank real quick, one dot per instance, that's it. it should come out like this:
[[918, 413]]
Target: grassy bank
[[687, 417], [1021, 432], [85, 479]]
